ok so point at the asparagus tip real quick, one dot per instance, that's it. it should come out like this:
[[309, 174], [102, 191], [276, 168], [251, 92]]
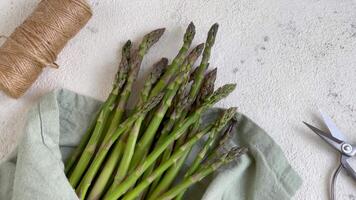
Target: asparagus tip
[[151, 38], [127, 47], [235, 152], [210, 78], [230, 113], [156, 34], [213, 72], [190, 33], [214, 30], [158, 69], [199, 48], [228, 133], [122, 73], [207, 87], [227, 115], [195, 53], [221, 93]]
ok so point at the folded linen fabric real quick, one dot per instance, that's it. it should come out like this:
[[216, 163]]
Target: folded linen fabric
[[56, 124]]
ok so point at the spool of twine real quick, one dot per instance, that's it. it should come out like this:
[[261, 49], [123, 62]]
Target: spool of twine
[[36, 43]]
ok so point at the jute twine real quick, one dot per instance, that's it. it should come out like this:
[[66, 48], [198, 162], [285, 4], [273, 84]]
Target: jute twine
[[37, 42]]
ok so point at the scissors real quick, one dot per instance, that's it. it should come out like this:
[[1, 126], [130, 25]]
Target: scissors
[[336, 139]]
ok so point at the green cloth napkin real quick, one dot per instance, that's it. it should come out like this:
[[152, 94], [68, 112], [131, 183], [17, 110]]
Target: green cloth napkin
[[56, 124]]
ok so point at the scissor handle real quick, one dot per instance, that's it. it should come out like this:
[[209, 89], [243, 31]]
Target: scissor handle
[[346, 165]]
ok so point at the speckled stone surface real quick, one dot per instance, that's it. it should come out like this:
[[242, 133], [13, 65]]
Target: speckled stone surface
[[287, 57]]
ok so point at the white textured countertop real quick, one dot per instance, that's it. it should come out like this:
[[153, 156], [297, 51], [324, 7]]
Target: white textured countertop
[[287, 57]]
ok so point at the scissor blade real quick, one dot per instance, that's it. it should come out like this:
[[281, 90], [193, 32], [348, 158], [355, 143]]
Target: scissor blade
[[332, 127], [334, 142]]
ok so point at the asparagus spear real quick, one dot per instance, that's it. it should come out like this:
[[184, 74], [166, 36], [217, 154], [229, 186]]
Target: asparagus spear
[[207, 87], [93, 142], [204, 151], [199, 75], [221, 145], [90, 148], [218, 125], [206, 90], [120, 79], [109, 140], [198, 79], [162, 184], [106, 173], [178, 61], [145, 142], [164, 166], [120, 148], [178, 105], [201, 174], [135, 63], [174, 66], [116, 191], [202, 154], [173, 171], [121, 75], [133, 134], [183, 102], [73, 158]]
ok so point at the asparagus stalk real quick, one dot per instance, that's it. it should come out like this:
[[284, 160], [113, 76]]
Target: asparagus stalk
[[173, 68], [207, 87], [201, 174], [159, 170], [145, 142], [160, 185], [135, 63], [73, 158], [120, 79], [121, 75], [133, 134], [173, 171], [93, 142], [178, 105], [203, 153], [178, 102], [120, 148], [117, 190], [221, 145], [109, 140], [106, 173], [199, 76], [178, 61], [198, 79], [182, 103], [182, 150], [199, 73]]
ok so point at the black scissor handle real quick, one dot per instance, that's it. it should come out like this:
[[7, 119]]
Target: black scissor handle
[[346, 165]]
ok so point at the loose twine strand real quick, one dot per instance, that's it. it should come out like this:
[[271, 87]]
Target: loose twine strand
[[36, 43]]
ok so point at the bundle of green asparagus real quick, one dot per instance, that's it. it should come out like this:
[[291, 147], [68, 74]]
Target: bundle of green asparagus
[[137, 154]]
